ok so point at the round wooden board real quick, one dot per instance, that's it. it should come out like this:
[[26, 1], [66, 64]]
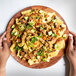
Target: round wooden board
[[41, 64]]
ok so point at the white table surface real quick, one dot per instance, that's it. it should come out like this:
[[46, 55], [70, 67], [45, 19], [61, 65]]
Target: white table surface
[[66, 8]]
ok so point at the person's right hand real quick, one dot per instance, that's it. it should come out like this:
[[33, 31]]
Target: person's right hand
[[71, 54]]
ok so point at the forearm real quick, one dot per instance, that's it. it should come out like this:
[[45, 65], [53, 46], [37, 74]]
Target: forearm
[[72, 70], [2, 71]]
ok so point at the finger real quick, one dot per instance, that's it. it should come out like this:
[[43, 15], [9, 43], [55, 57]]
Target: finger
[[74, 34], [5, 45], [70, 43], [2, 36]]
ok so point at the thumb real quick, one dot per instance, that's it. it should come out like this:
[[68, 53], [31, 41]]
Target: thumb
[[5, 45]]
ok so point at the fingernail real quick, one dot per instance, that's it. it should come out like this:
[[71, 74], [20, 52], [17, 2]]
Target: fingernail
[[4, 39]]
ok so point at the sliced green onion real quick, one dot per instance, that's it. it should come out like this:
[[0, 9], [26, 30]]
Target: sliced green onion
[[21, 27], [28, 27], [31, 45], [42, 53], [19, 35], [33, 39], [39, 53], [25, 26], [46, 54], [44, 47], [35, 48], [37, 17], [18, 54], [17, 48], [40, 11], [30, 23], [55, 20], [13, 26], [50, 33], [40, 35], [49, 50], [64, 36], [43, 59], [56, 46], [33, 30], [41, 28], [26, 18], [12, 33], [54, 35], [33, 10]]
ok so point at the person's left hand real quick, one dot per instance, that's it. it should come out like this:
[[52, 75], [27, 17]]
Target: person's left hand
[[4, 50]]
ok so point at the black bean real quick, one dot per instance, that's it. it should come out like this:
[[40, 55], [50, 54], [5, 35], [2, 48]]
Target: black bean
[[38, 29], [45, 28], [20, 21], [38, 33], [54, 25], [43, 44], [46, 33], [49, 40], [50, 29], [41, 15], [60, 26], [45, 19], [53, 46], [54, 17], [31, 48], [27, 60], [45, 40]]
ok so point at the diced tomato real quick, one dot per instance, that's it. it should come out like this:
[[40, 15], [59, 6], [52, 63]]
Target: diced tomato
[[57, 33], [39, 20], [41, 30], [22, 53], [44, 37], [18, 40], [35, 43], [30, 19], [33, 47], [35, 51], [47, 16], [30, 29], [38, 24], [53, 38]]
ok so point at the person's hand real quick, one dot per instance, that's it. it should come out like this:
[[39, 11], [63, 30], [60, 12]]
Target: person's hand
[[71, 50], [4, 51]]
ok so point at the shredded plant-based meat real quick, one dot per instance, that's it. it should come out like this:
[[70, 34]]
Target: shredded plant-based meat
[[37, 36]]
